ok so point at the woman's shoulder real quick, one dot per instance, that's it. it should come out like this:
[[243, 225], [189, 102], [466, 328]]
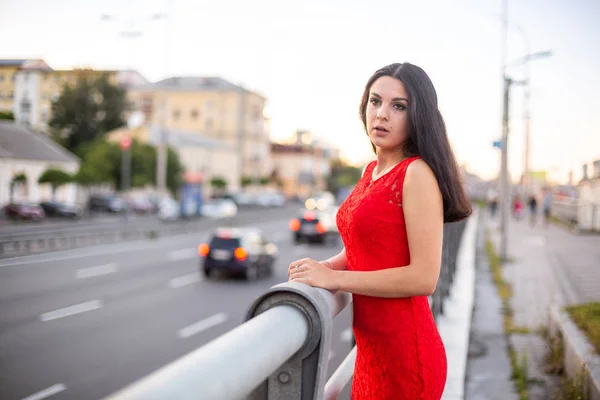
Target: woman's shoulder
[[368, 167], [419, 172]]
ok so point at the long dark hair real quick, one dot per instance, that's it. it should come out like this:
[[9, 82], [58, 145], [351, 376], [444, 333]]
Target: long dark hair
[[427, 136]]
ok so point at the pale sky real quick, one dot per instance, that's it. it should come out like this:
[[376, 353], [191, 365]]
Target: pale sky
[[311, 60]]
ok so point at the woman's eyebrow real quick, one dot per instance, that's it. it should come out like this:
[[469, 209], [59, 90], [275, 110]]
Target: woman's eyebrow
[[394, 99]]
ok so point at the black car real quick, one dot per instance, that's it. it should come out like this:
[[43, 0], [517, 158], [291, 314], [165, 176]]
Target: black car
[[56, 209], [315, 226], [238, 250], [106, 202]]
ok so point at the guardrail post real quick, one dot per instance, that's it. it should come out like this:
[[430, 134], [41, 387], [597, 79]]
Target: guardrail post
[[303, 376]]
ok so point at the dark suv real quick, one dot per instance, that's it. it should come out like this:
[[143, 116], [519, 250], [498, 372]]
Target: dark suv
[[238, 250], [315, 226]]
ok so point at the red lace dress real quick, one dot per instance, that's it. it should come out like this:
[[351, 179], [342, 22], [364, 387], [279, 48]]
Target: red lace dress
[[400, 353]]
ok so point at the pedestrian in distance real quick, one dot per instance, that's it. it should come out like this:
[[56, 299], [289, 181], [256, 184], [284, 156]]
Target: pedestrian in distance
[[547, 206], [392, 228], [532, 209]]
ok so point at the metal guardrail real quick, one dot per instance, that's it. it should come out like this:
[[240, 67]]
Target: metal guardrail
[[453, 234], [32, 243], [288, 329], [280, 352], [18, 244]]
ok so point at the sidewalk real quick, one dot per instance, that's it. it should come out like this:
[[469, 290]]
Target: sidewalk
[[549, 266], [488, 375]]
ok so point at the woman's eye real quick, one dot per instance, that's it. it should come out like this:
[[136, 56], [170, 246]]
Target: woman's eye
[[399, 106], [374, 101]]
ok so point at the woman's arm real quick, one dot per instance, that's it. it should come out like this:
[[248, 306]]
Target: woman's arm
[[423, 212], [337, 262]]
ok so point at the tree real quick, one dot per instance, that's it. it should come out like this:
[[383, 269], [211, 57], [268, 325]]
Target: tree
[[264, 180], [56, 178], [19, 179], [245, 181], [86, 111], [342, 176], [103, 162], [7, 115], [218, 183]]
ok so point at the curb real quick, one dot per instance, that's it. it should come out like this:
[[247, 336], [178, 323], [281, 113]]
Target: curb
[[578, 351], [455, 324]]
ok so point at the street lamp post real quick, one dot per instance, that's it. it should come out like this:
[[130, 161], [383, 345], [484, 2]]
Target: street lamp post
[[133, 33], [505, 183]]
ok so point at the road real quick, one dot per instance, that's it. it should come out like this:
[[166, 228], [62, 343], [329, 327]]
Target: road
[[83, 323]]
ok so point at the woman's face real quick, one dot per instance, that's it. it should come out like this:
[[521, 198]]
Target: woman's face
[[387, 113]]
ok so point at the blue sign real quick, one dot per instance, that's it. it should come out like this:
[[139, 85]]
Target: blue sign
[[498, 144]]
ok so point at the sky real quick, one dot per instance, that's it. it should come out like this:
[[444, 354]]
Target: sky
[[311, 59]]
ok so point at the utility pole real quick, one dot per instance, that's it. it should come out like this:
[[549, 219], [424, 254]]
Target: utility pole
[[161, 151], [504, 181]]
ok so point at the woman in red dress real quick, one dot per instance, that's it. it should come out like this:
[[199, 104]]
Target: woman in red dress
[[392, 227]]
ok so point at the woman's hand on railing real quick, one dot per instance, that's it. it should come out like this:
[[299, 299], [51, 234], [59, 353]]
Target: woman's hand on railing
[[313, 273]]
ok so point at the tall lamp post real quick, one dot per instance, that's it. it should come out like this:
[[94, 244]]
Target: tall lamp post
[[132, 33], [508, 82]]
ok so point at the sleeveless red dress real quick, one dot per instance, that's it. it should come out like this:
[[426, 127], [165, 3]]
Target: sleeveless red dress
[[400, 355]]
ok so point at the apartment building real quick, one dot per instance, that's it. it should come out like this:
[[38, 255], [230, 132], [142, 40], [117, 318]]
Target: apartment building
[[213, 109], [28, 88]]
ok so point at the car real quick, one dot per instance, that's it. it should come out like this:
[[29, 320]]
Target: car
[[320, 201], [242, 251], [219, 208], [106, 202], [169, 209], [315, 226], [56, 209], [24, 211]]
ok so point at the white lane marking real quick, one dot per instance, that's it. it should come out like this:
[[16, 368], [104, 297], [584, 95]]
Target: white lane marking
[[202, 325], [184, 280], [183, 254], [51, 391], [96, 271], [71, 310], [346, 335]]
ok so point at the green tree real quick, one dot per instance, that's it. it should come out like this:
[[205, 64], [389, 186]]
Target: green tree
[[264, 180], [86, 111], [7, 115], [342, 176], [103, 163], [218, 183], [245, 181], [56, 178], [18, 179]]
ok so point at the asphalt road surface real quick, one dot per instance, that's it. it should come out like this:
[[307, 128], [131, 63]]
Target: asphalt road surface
[[84, 323]]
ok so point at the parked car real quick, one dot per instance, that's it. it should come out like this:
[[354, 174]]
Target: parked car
[[238, 250], [169, 209], [219, 208], [141, 205], [106, 202], [320, 201], [315, 226], [24, 211], [57, 209]]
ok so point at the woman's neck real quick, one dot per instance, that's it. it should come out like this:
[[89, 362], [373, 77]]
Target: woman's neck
[[387, 160]]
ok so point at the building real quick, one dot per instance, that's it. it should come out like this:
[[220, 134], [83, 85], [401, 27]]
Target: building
[[23, 151], [302, 166], [210, 108], [202, 157], [8, 74], [28, 88]]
